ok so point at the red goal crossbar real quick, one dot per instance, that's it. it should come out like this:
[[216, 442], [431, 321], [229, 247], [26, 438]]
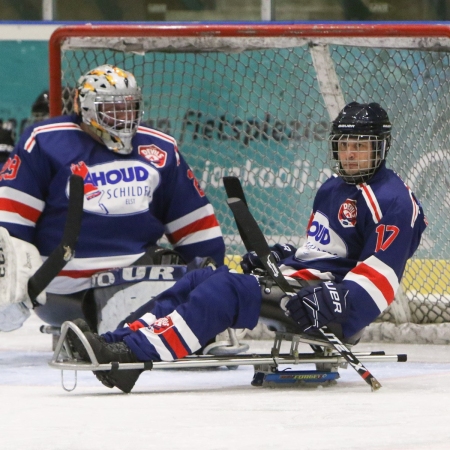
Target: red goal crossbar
[[242, 31]]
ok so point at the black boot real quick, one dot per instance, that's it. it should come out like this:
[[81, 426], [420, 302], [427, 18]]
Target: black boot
[[75, 344], [106, 352], [79, 351]]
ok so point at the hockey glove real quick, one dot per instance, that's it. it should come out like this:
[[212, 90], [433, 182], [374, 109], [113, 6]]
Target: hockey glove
[[250, 260], [316, 306]]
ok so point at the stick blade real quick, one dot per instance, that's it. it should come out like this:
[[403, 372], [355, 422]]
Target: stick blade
[[233, 188]]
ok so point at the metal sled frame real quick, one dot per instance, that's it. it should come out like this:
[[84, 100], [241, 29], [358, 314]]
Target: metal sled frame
[[323, 356]]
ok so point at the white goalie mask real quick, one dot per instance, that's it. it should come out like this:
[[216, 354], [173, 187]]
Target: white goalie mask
[[110, 103]]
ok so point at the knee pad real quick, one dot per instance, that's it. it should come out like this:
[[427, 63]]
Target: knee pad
[[271, 295]]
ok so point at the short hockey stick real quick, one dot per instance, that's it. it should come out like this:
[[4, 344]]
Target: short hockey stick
[[63, 253], [233, 188], [254, 238]]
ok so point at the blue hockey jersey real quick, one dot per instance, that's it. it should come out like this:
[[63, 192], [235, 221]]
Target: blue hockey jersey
[[361, 236], [130, 201]]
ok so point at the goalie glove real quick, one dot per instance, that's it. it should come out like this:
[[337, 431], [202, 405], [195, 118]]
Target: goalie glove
[[19, 260], [13, 316], [250, 260], [316, 306]]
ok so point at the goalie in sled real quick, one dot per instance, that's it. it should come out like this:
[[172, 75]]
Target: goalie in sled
[[365, 224]]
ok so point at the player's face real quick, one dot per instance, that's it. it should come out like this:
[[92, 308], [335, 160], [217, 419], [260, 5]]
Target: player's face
[[355, 155], [118, 114]]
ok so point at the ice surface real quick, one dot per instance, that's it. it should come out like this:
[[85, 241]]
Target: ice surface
[[218, 409]]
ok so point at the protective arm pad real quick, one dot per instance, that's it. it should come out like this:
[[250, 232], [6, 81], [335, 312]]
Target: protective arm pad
[[19, 260]]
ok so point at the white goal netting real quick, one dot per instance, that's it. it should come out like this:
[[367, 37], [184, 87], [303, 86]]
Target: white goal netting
[[258, 105]]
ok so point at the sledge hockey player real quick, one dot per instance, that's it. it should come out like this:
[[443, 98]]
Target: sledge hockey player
[[6, 141], [364, 226], [40, 109], [137, 188]]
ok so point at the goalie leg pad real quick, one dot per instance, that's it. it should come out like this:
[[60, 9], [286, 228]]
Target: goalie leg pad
[[119, 292], [19, 260]]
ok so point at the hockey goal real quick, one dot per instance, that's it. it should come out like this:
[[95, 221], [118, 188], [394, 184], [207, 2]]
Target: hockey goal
[[256, 100]]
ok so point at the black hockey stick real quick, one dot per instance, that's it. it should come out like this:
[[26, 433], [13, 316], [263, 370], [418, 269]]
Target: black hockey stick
[[63, 253], [253, 236], [233, 188]]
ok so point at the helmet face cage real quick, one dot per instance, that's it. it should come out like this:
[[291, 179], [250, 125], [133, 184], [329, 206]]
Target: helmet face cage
[[118, 113], [359, 141], [38, 117], [110, 103], [356, 158]]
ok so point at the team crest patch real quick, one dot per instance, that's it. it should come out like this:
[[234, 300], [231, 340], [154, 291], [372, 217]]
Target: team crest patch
[[153, 154], [347, 213], [161, 325]]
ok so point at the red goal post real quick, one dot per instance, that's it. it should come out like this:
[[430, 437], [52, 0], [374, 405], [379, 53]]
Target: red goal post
[[255, 100]]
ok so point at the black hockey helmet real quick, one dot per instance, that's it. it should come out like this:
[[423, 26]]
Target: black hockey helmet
[[40, 109], [6, 141], [361, 122]]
